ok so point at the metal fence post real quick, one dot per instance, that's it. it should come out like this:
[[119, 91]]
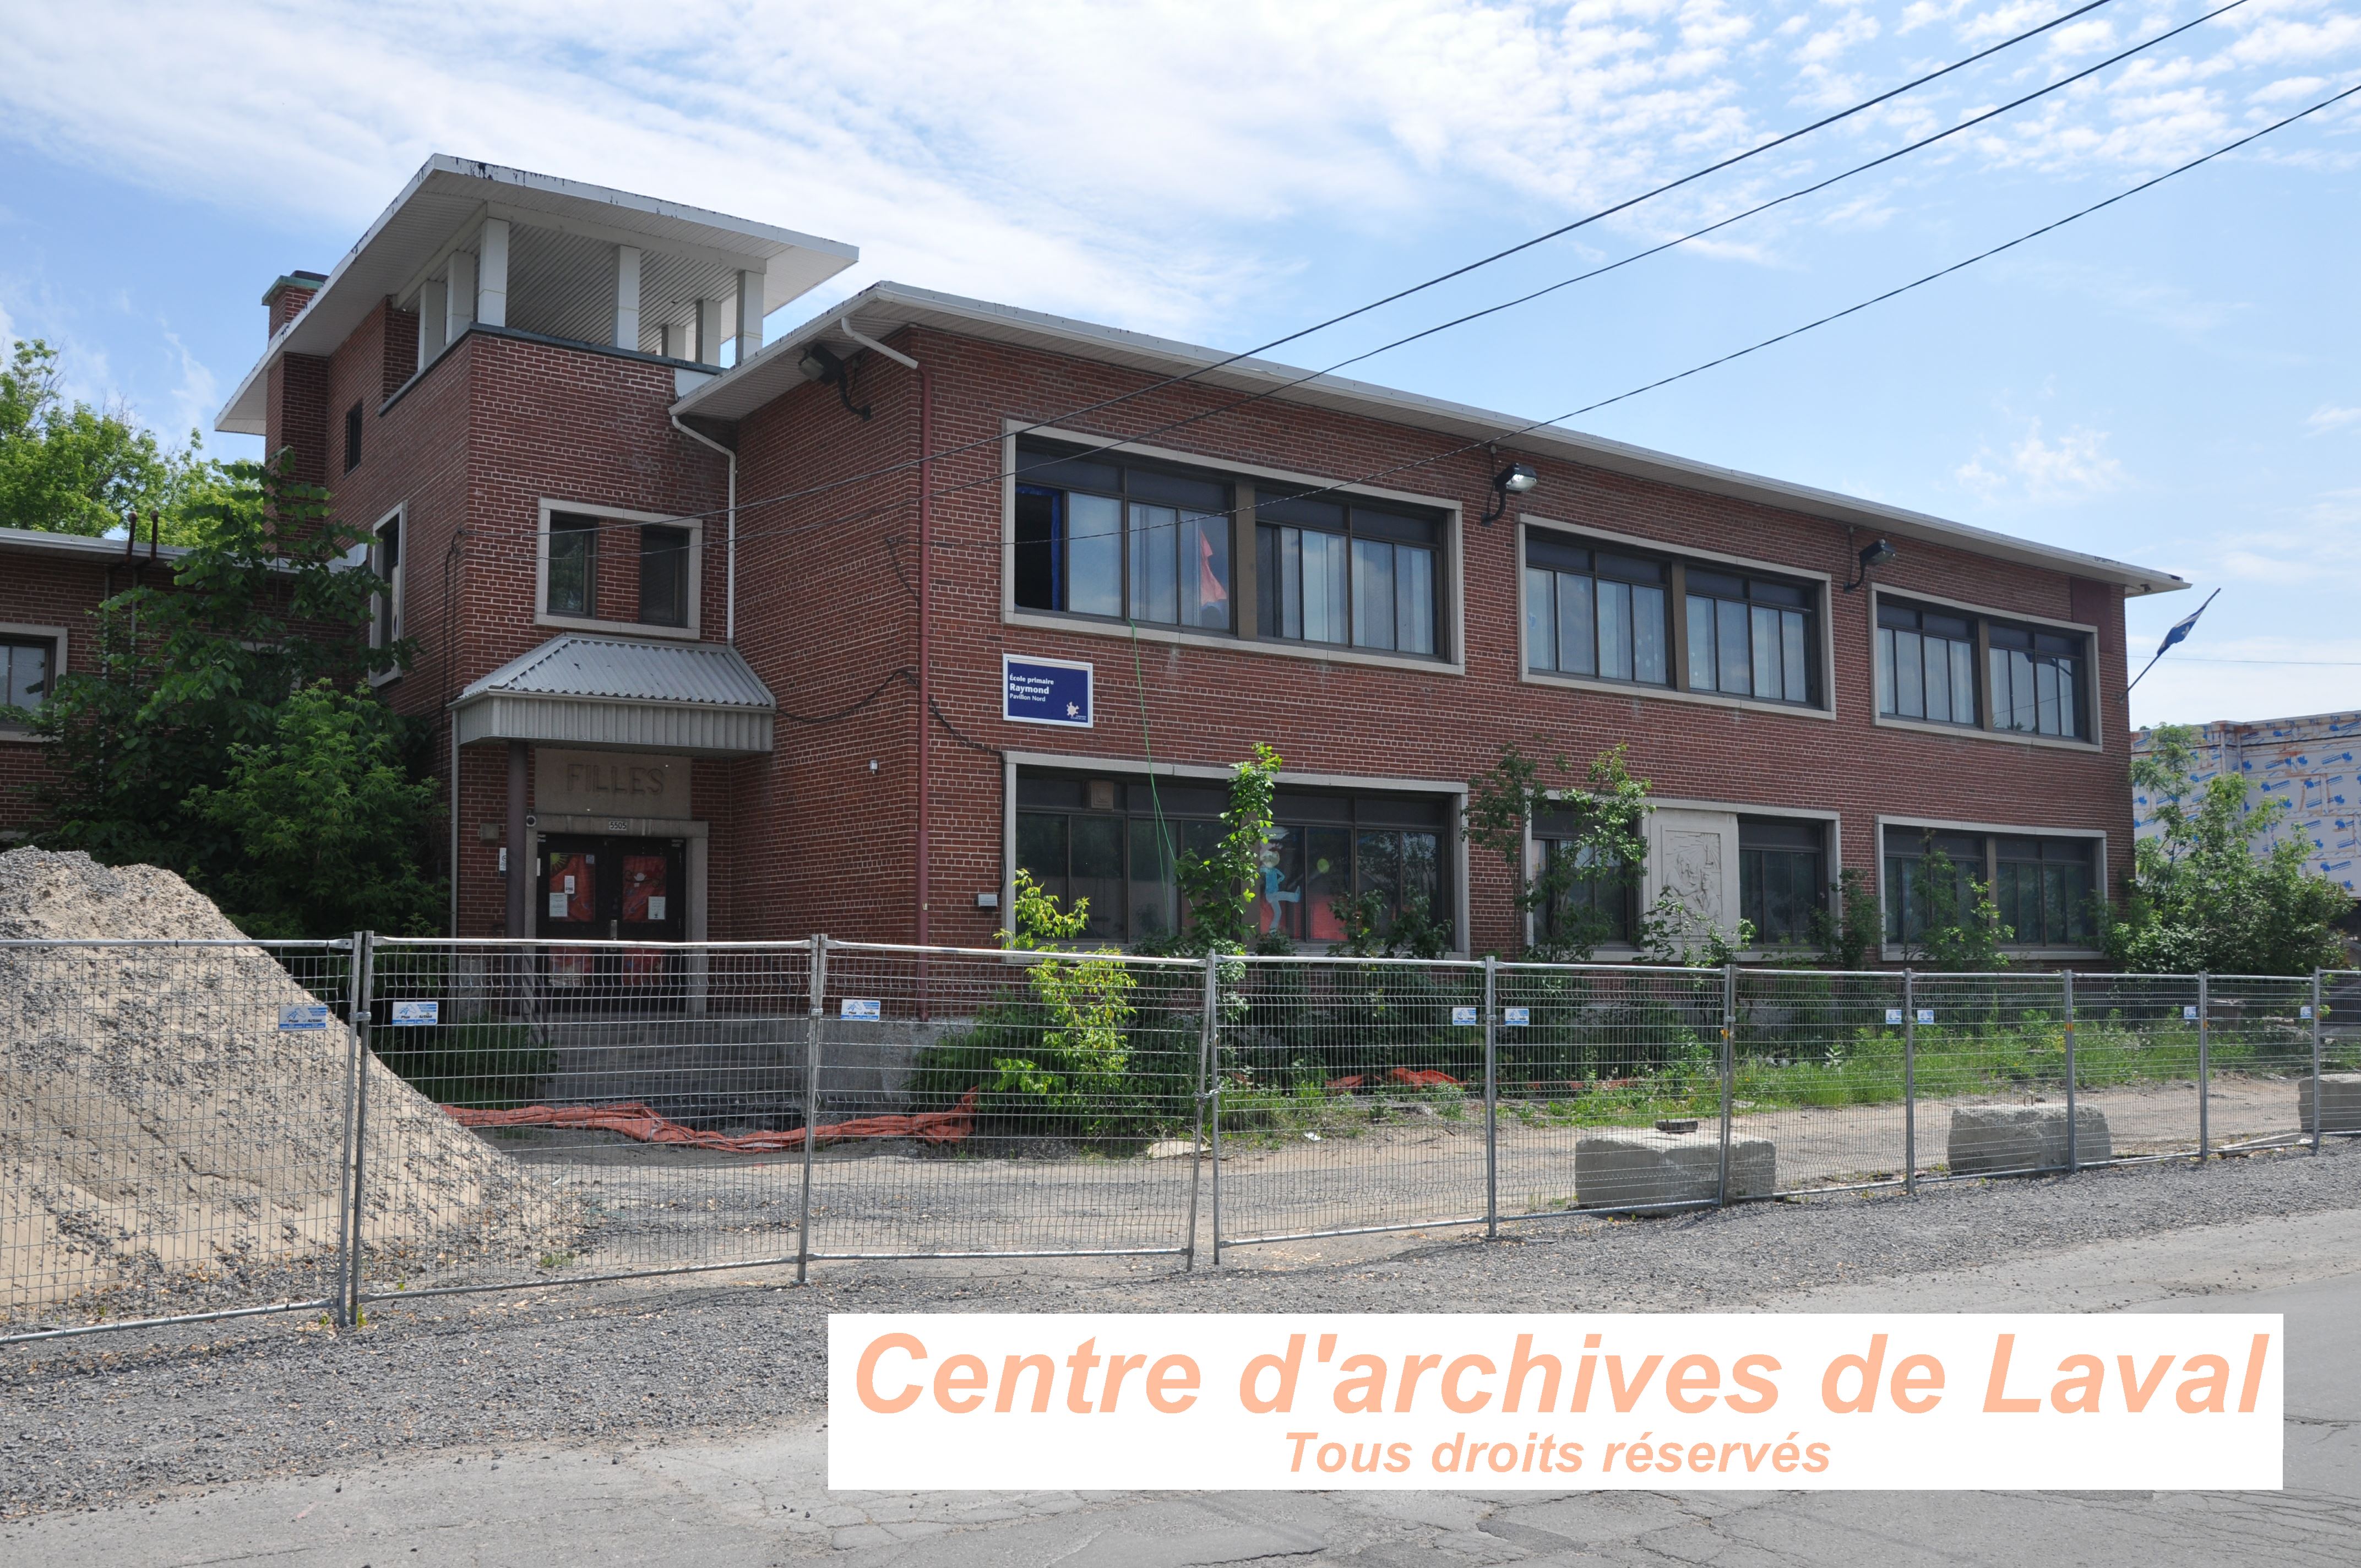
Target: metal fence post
[[2319, 1116], [1491, 1096], [1197, 1094], [1910, 1080], [340, 1313], [363, 992], [1214, 1071], [811, 1103], [2204, 1064], [2074, 1148], [1729, 1059]]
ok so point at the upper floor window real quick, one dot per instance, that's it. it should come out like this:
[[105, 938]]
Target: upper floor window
[[352, 438], [1614, 615], [26, 665], [1750, 637], [1122, 540], [664, 576], [1346, 573], [1592, 613], [2033, 678], [573, 565], [385, 565], [1926, 664]]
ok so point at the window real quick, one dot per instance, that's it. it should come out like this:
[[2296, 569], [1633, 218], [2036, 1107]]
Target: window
[[385, 565], [1114, 843], [1595, 909], [664, 576], [1339, 572], [1748, 637], [352, 438], [1926, 664], [1117, 540], [2033, 675], [1595, 614], [573, 563], [26, 666], [1780, 882], [2041, 888], [2035, 681]]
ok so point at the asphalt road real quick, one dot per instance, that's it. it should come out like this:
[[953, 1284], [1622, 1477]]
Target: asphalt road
[[753, 1495]]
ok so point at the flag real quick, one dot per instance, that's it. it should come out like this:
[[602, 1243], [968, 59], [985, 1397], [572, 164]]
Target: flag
[[2181, 629]]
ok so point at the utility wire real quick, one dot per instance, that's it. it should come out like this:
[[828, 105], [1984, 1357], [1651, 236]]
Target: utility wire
[[1625, 205]]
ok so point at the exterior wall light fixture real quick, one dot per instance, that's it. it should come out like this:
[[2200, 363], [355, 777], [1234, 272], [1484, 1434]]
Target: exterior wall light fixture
[[1514, 480], [821, 364], [1876, 554]]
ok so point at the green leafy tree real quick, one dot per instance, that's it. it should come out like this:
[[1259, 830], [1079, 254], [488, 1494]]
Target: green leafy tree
[[2199, 897], [1603, 851], [327, 821], [67, 467], [1219, 886], [1673, 932], [1085, 1005], [1957, 928], [195, 669], [1849, 934]]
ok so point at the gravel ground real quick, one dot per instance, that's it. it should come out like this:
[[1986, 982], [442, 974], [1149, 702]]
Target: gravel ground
[[88, 1422]]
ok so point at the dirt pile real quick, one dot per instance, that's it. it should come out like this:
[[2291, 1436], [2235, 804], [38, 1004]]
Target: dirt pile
[[157, 1122]]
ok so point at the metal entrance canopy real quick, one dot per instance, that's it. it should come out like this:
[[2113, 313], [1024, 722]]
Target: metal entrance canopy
[[695, 698]]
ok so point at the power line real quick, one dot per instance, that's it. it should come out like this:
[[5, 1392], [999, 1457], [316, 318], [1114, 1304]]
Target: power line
[[1460, 271]]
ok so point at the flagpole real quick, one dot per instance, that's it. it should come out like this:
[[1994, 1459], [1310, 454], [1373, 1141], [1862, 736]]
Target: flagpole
[[2169, 639]]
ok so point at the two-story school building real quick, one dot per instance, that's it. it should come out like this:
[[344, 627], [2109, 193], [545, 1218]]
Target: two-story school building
[[840, 635]]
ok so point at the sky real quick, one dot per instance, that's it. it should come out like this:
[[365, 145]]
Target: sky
[[2175, 381]]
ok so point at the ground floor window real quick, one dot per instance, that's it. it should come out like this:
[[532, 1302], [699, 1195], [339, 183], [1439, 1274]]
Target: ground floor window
[[1782, 878], [1115, 842], [1593, 902], [2042, 888]]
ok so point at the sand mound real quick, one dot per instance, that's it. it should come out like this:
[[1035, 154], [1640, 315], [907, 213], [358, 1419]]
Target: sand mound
[[156, 1123]]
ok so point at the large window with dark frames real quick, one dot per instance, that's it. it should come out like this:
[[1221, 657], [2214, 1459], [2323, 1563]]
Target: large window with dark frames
[[664, 576], [2041, 887], [1121, 540], [1116, 841], [664, 556], [573, 565], [1589, 902], [1346, 573], [1782, 878], [2034, 679], [1625, 616]]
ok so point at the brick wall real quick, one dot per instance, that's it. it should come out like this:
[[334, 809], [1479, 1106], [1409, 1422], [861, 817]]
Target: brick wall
[[41, 590], [825, 612]]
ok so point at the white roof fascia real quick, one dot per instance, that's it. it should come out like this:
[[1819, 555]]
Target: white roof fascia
[[884, 307], [99, 552], [539, 200]]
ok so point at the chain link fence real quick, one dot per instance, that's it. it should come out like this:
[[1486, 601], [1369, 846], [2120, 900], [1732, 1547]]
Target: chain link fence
[[194, 1130]]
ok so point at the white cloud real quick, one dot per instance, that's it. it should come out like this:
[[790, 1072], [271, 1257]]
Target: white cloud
[[2073, 467], [2328, 417]]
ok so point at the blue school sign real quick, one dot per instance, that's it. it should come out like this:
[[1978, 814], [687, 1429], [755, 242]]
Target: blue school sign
[[1045, 691]]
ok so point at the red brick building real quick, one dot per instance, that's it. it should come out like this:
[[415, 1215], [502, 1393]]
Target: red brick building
[[836, 637]]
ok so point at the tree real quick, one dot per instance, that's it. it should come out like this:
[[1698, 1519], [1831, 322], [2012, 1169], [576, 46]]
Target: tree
[[2199, 897], [196, 673], [1955, 926], [1218, 888], [327, 821], [1602, 849], [72, 468]]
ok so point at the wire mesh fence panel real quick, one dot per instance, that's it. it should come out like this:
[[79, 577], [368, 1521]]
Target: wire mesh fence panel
[[1990, 1061], [541, 1112], [173, 1129], [2339, 1055], [1351, 1095], [2259, 1078], [2137, 1064], [975, 1101], [1611, 1089], [1819, 1070]]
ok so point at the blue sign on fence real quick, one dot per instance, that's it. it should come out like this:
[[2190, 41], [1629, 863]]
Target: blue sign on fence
[[1045, 691], [311, 1015], [865, 1008], [1516, 1017], [1463, 1017], [410, 1014]]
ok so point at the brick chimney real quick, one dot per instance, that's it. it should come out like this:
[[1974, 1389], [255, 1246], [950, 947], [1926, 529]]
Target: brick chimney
[[286, 298]]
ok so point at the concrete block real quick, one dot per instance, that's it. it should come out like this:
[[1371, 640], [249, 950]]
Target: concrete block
[[2340, 1102], [1619, 1167], [1986, 1139]]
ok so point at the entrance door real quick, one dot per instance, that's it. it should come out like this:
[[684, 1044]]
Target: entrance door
[[613, 890]]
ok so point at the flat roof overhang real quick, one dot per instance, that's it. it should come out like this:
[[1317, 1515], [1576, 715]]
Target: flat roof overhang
[[447, 193], [884, 308]]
